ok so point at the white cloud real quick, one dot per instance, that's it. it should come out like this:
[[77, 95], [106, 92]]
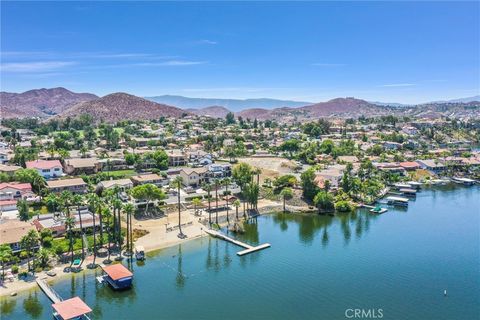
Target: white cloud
[[206, 41], [37, 66], [397, 85]]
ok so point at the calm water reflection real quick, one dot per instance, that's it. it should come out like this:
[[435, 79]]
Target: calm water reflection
[[317, 267]]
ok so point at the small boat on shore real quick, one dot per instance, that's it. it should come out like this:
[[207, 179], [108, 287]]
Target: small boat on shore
[[397, 201], [464, 181], [378, 210], [140, 253]]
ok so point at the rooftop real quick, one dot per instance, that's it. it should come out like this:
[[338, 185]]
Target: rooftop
[[43, 164], [71, 308], [117, 271]]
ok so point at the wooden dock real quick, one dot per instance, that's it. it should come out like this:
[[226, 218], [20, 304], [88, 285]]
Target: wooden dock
[[51, 294], [248, 248]]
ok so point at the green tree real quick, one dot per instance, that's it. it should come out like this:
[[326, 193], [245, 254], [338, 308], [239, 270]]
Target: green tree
[[291, 146], [6, 255], [23, 210], [309, 187], [230, 118], [28, 243], [177, 183], [147, 192], [287, 194], [324, 201]]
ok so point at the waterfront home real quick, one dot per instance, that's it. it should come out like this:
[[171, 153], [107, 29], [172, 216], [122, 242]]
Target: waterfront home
[[46, 168], [79, 166], [410, 165], [193, 177], [74, 185], [12, 231], [118, 276], [392, 167], [9, 170], [334, 175], [56, 221], [176, 158], [122, 184], [432, 165], [152, 178], [73, 308]]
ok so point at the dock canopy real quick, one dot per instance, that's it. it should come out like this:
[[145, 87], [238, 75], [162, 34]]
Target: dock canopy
[[71, 308], [117, 272]]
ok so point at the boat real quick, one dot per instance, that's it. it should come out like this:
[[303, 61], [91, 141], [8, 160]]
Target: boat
[[139, 253], [378, 210], [408, 192], [441, 182], [397, 201], [401, 185], [118, 276], [464, 181], [415, 185]]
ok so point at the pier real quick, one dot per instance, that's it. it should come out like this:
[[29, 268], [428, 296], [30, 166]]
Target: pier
[[248, 248], [51, 294]]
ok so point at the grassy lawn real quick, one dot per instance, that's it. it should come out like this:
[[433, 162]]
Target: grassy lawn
[[120, 173]]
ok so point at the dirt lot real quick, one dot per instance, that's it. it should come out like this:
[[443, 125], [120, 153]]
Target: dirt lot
[[271, 166]]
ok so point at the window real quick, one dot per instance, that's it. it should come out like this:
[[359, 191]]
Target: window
[[57, 169], [46, 170]]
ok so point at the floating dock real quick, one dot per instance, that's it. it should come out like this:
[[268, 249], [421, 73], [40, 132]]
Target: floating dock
[[51, 294], [248, 248]]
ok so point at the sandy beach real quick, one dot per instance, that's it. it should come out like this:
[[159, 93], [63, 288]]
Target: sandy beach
[[159, 237]]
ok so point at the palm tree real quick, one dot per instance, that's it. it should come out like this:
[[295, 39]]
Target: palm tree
[[216, 201], [208, 188], [78, 200], [95, 205], [6, 256], [177, 183], [52, 202], [44, 255], [129, 209], [28, 243], [107, 214], [70, 224], [226, 182], [287, 194], [236, 204]]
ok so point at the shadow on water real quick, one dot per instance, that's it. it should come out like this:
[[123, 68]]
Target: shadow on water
[[180, 278], [32, 305], [7, 306]]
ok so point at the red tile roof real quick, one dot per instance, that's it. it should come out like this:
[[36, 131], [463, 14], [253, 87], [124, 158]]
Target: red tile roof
[[409, 164], [20, 186], [117, 271], [71, 308], [43, 164]]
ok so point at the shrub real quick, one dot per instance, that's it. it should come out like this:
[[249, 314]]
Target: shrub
[[15, 269]]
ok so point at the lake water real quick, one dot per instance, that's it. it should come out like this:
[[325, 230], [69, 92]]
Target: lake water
[[317, 268]]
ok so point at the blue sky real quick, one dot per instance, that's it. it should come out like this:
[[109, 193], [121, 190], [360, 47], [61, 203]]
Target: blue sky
[[380, 51]]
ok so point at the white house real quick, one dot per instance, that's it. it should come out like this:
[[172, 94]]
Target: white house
[[47, 168]]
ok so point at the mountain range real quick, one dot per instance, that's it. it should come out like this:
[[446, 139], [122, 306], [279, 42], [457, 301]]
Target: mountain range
[[234, 105], [60, 102]]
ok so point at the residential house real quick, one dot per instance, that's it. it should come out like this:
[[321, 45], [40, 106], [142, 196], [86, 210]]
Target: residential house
[[3, 157], [152, 178], [193, 177], [74, 185], [15, 190], [434, 166], [122, 184], [176, 158], [390, 145], [56, 221], [12, 231], [10, 170], [218, 170], [79, 166], [46, 168], [410, 165]]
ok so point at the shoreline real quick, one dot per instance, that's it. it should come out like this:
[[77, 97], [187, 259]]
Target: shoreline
[[157, 239]]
